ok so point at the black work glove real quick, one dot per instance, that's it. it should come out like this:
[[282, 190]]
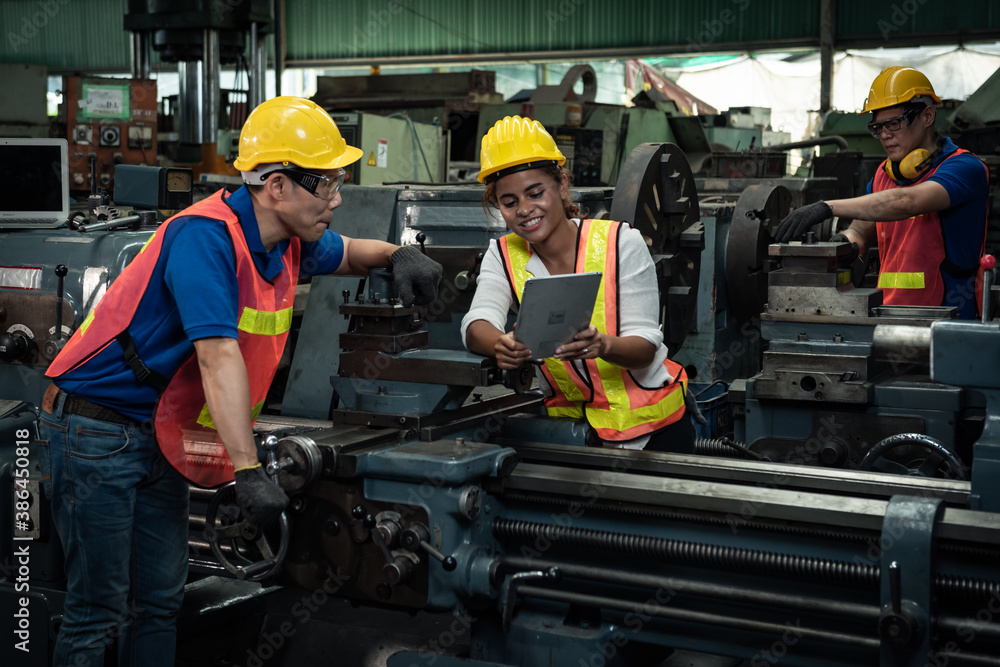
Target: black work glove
[[260, 499], [691, 403], [801, 220], [416, 275], [845, 261]]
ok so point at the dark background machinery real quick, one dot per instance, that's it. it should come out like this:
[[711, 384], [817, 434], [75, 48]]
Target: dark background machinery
[[507, 538]]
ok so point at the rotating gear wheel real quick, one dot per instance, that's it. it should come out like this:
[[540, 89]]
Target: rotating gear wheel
[[656, 194], [759, 210]]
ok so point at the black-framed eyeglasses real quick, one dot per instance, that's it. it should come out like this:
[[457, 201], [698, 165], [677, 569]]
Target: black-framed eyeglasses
[[323, 187], [893, 124]]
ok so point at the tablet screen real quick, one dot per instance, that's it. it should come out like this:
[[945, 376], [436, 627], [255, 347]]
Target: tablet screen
[[553, 309]]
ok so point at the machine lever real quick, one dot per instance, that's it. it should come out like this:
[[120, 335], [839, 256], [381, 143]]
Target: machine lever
[[448, 563], [897, 626], [552, 574], [987, 262], [368, 521], [270, 444], [56, 343], [417, 536], [421, 237], [894, 587]]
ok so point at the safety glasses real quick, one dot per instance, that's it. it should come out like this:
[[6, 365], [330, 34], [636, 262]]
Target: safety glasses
[[323, 187], [893, 124]]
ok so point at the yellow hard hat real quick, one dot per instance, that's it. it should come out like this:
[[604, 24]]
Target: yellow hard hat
[[293, 130], [515, 144], [897, 85]]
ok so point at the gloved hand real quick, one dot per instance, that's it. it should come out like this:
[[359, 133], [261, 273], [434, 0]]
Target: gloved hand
[[845, 261], [691, 403], [801, 220], [260, 499], [416, 275]]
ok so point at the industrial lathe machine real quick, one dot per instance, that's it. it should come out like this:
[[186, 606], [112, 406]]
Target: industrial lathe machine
[[850, 517]]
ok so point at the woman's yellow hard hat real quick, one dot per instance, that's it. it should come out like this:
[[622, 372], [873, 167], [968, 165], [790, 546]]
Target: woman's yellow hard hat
[[515, 144]]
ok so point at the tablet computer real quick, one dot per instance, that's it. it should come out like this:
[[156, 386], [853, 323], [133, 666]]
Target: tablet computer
[[554, 309]]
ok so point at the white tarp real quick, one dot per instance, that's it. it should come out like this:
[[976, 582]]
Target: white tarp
[[791, 87]]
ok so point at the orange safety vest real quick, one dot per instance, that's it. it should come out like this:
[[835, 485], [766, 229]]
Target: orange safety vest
[[184, 428], [614, 403], [911, 251]]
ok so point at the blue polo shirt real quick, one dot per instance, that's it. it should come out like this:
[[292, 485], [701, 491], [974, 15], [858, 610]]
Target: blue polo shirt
[[963, 223], [192, 294]]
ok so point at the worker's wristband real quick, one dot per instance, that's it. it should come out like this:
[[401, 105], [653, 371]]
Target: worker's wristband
[[247, 468]]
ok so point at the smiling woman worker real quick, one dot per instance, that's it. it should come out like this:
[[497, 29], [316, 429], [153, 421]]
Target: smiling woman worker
[[616, 372]]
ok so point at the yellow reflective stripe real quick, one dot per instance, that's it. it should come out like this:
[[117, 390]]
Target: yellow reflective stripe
[[86, 323], [265, 323], [901, 281], [562, 378], [148, 241], [571, 412], [624, 419], [517, 250], [205, 417], [595, 260]]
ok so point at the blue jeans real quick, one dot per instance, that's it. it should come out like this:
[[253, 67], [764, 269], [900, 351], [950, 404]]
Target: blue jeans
[[121, 512]]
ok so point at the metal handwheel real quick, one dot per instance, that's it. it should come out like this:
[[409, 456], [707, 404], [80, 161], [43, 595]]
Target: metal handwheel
[[243, 549], [939, 460]]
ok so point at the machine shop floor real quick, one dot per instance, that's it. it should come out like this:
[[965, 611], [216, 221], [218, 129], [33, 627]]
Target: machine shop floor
[[227, 623]]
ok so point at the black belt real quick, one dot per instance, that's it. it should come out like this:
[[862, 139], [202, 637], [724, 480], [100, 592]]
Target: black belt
[[84, 408]]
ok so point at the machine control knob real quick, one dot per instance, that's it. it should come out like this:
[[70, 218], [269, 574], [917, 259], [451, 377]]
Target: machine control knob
[[13, 346], [389, 529], [399, 571], [465, 280], [53, 346], [833, 453]]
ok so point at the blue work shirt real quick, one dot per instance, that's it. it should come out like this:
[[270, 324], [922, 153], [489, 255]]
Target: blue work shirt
[[192, 294], [963, 223]]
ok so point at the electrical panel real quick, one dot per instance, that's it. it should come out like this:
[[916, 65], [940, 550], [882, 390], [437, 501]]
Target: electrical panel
[[108, 122], [584, 152], [395, 149]]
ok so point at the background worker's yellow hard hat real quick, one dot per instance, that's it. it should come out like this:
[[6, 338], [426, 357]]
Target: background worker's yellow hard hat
[[293, 130], [898, 85], [514, 144]]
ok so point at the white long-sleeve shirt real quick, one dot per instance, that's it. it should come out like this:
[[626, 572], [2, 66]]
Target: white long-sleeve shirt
[[638, 305]]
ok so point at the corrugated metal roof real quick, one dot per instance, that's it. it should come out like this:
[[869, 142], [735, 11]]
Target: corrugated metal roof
[[405, 28], [890, 23], [88, 35], [65, 35]]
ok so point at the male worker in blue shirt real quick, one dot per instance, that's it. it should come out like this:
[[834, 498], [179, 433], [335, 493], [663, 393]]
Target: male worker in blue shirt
[[927, 203], [160, 385]]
